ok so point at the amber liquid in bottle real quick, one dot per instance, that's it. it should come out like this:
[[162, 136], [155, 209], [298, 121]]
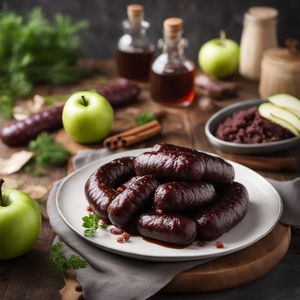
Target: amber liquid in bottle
[[172, 75], [135, 51], [176, 88], [134, 65]]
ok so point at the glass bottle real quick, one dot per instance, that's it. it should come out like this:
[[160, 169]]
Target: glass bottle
[[172, 75], [135, 51]]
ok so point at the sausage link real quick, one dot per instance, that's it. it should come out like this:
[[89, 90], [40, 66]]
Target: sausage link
[[224, 214], [168, 228], [122, 187], [183, 196], [19, 133], [218, 171], [170, 166], [137, 197], [100, 188], [120, 93]]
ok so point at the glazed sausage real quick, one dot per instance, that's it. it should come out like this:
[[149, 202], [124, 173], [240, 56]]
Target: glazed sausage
[[19, 133], [137, 197], [100, 188], [170, 166], [120, 93], [218, 171], [168, 228], [183, 196], [224, 214], [122, 187]]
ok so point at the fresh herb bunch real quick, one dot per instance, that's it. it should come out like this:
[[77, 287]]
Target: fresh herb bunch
[[61, 263], [34, 50], [91, 223], [144, 117], [48, 153]]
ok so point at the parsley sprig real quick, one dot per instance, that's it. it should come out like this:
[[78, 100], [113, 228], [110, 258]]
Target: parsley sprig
[[32, 50], [91, 223], [61, 263], [144, 117], [47, 153]]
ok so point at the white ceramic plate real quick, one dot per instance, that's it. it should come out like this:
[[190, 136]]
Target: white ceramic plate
[[263, 214]]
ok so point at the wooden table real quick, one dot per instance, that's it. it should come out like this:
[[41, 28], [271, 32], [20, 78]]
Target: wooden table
[[29, 276]]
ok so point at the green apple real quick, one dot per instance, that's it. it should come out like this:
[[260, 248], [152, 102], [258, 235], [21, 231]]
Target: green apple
[[281, 117], [87, 117], [219, 57], [287, 102], [20, 222]]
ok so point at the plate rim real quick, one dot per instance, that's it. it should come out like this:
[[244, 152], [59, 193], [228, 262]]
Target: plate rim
[[158, 257]]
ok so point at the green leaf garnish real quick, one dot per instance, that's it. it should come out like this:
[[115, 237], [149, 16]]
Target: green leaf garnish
[[48, 153], [144, 117], [91, 223], [61, 263], [33, 50]]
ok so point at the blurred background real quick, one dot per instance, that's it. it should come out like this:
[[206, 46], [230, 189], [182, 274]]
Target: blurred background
[[203, 19]]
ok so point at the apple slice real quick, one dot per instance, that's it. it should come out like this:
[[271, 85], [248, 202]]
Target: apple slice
[[281, 117], [288, 102]]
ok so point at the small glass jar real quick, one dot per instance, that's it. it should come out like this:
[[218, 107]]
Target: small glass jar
[[135, 51], [172, 74], [259, 34]]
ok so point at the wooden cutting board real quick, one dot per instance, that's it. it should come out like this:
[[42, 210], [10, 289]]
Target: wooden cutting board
[[225, 272], [237, 268]]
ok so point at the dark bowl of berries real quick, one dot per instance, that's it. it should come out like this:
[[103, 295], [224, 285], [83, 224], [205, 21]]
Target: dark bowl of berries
[[255, 126]]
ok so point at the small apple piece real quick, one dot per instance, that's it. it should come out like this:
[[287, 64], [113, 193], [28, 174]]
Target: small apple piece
[[20, 222], [281, 117], [219, 57], [287, 102], [87, 117]]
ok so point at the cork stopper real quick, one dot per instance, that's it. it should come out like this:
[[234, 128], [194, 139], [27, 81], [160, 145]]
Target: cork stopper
[[135, 13], [173, 28]]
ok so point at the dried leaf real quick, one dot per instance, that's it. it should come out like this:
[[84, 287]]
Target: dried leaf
[[30, 107], [20, 112], [12, 183], [37, 104], [15, 162], [36, 192]]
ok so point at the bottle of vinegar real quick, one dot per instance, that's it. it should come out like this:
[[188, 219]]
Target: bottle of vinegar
[[172, 75], [135, 51]]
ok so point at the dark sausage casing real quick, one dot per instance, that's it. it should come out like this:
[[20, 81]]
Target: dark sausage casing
[[137, 196], [224, 214], [168, 228], [183, 196], [217, 170], [170, 166], [100, 188], [19, 133]]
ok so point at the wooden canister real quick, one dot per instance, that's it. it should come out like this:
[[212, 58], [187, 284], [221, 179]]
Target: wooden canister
[[280, 73], [259, 33]]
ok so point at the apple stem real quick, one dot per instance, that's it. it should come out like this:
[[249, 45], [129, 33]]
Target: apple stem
[[84, 101], [1, 198], [222, 37]]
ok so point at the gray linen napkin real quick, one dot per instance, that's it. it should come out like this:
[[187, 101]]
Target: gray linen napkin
[[110, 276]]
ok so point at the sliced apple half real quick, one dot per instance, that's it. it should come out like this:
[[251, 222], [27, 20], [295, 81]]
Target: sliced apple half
[[281, 117], [288, 102]]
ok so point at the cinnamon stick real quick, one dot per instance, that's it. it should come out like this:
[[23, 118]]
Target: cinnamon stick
[[133, 136]]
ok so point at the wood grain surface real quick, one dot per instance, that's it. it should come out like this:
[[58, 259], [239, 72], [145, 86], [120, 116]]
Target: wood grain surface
[[29, 276], [237, 268]]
